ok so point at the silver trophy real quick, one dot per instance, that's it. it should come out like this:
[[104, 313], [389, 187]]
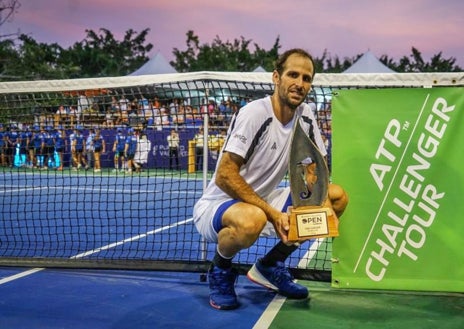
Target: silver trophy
[[310, 214]]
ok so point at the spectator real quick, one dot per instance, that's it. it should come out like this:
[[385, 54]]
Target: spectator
[[173, 144], [78, 149], [60, 146], [61, 115], [215, 143], [142, 151], [156, 103], [74, 117], [2, 146], [164, 117], [130, 148], [29, 147], [179, 117], [199, 145], [109, 118], [118, 149], [23, 146], [134, 115], [12, 138], [174, 106], [99, 147], [37, 145], [197, 116], [189, 120], [221, 137], [49, 149], [114, 104], [89, 149], [157, 119], [143, 103], [115, 110], [71, 138], [124, 108], [149, 115], [83, 105]]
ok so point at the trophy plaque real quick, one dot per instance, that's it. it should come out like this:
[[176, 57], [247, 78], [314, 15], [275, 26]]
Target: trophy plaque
[[311, 215]]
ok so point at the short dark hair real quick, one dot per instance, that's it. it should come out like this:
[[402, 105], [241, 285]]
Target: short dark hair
[[280, 62]]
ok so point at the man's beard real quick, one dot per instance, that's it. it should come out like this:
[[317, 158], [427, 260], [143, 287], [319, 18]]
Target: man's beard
[[288, 101]]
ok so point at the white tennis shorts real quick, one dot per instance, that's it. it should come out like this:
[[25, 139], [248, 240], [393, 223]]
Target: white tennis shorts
[[205, 210]]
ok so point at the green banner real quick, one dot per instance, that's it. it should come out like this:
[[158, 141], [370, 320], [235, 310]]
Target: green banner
[[399, 153]]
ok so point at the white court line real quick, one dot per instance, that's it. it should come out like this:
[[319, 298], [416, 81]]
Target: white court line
[[306, 259], [270, 312], [15, 189], [134, 238], [276, 303], [94, 251], [20, 275], [22, 189]]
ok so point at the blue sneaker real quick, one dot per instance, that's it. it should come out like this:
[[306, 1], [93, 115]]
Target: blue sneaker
[[221, 288], [277, 278]]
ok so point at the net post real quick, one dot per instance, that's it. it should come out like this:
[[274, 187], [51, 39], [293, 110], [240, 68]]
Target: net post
[[203, 244]]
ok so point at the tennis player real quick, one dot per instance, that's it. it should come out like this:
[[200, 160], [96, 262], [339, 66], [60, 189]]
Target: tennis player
[[243, 200]]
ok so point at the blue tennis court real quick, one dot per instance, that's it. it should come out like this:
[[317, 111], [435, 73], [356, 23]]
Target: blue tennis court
[[98, 228], [60, 298], [120, 299], [103, 218]]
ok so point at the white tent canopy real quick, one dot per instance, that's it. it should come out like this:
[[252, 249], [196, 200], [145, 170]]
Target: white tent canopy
[[259, 69], [368, 63], [158, 64]]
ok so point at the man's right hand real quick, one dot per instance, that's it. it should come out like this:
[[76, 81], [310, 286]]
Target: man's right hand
[[281, 223]]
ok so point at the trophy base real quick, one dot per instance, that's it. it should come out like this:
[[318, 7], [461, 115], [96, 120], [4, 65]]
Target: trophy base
[[310, 222]]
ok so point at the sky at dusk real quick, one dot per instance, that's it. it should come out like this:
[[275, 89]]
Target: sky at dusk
[[343, 28]]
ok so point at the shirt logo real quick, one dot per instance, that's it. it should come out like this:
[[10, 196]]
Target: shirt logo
[[274, 146], [242, 138]]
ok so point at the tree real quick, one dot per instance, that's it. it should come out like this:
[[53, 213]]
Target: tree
[[7, 50], [30, 60], [329, 64], [101, 55], [266, 58], [222, 56], [97, 55], [38, 61], [415, 63], [411, 63], [8, 54]]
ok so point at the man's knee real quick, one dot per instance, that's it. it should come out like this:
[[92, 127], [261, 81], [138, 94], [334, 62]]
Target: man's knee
[[246, 219]]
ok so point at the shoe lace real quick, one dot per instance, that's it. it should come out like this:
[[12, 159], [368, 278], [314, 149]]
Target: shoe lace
[[224, 281], [281, 274]]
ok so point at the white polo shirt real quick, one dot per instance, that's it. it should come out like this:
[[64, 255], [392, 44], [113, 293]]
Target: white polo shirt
[[264, 142]]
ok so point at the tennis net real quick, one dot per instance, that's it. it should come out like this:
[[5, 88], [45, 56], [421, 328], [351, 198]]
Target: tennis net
[[67, 207]]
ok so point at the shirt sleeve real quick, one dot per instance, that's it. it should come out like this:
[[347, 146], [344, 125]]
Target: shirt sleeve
[[244, 127]]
